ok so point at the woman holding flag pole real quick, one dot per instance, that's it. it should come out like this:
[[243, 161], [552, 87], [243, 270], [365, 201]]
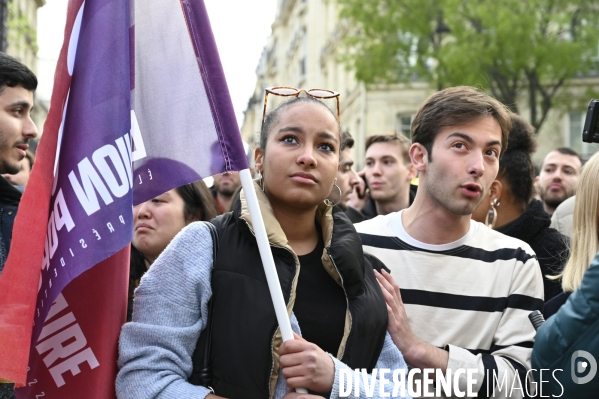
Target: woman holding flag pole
[[206, 309]]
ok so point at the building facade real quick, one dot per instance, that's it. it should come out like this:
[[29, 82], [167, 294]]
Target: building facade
[[302, 53], [20, 33]]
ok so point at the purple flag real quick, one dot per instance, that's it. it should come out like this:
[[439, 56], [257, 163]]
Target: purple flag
[[184, 127], [91, 218], [140, 106]]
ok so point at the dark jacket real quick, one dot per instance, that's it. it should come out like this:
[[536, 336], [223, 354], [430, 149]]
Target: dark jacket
[[354, 215], [369, 211], [10, 197], [554, 304], [575, 327], [550, 245], [240, 297], [137, 268], [9, 201]]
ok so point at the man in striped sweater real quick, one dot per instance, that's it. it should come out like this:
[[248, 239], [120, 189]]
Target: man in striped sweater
[[466, 290]]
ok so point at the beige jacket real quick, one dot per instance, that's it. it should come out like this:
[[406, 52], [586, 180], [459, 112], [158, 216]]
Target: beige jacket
[[561, 220]]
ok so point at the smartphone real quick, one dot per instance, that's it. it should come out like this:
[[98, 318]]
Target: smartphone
[[590, 132], [365, 188]]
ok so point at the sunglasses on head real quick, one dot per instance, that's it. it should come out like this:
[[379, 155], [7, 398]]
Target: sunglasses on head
[[293, 92]]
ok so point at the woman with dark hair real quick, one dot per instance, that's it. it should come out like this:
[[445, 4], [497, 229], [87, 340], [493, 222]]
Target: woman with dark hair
[[327, 282], [510, 208], [158, 220]]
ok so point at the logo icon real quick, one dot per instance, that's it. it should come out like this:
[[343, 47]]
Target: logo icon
[[580, 366]]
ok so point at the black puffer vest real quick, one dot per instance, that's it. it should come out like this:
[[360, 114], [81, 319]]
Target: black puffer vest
[[245, 337]]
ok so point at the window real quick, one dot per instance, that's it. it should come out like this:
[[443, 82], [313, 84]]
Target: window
[[575, 126], [404, 124]]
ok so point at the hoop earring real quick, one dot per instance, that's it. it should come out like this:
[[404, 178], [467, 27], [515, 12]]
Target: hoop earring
[[260, 180], [491, 218], [330, 203]]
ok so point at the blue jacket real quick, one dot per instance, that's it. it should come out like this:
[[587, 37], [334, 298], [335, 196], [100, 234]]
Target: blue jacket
[[575, 327]]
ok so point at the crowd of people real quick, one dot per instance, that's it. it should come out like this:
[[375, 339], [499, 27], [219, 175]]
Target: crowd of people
[[430, 257]]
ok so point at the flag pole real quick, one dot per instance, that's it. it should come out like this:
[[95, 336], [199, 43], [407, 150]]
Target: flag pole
[[268, 262]]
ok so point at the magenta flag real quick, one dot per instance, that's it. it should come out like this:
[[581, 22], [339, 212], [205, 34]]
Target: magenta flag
[[140, 106]]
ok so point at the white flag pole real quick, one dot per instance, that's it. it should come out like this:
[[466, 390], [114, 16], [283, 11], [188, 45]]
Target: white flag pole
[[267, 260]]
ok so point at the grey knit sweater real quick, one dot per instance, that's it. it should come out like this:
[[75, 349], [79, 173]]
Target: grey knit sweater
[[170, 310]]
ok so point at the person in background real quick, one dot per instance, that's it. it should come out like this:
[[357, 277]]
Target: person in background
[[567, 344], [17, 85], [157, 222], [327, 282], [558, 177], [388, 172], [347, 179], [509, 206], [584, 241], [22, 177], [466, 290], [224, 189]]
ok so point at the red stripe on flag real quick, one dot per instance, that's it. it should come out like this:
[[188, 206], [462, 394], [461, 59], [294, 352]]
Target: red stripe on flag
[[85, 362], [20, 278]]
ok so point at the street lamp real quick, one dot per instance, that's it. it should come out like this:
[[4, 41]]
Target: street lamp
[[440, 30], [3, 24]]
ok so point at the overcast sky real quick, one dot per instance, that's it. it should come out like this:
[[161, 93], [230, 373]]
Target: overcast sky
[[240, 27]]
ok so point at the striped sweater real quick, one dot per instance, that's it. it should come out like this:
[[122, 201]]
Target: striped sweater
[[471, 297]]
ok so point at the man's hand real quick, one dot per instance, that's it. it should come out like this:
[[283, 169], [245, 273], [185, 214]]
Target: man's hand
[[399, 327], [8, 177], [417, 353], [305, 365]]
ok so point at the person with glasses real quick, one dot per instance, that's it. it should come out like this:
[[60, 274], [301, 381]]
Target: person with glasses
[[199, 312]]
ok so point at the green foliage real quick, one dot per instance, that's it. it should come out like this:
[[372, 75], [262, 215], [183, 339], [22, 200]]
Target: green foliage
[[21, 33], [509, 47]]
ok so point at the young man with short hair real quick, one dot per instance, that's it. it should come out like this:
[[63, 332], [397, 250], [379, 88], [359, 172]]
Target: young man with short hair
[[225, 186], [558, 177], [17, 84], [388, 171], [347, 179], [466, 290]]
